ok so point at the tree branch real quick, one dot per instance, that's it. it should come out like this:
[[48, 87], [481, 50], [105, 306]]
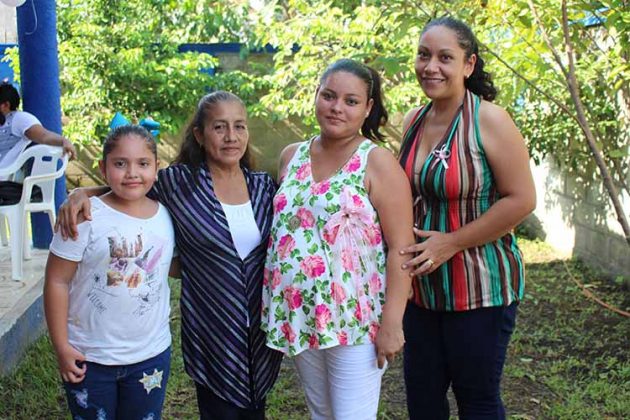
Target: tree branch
[[545, 36], [590, 138]]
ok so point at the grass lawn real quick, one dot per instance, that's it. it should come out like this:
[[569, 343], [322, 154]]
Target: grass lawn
[[568, 359]]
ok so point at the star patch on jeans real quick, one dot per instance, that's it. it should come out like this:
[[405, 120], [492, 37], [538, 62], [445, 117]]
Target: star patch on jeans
[[152, 381]]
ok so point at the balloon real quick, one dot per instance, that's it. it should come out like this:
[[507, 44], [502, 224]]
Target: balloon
[[13, 3]]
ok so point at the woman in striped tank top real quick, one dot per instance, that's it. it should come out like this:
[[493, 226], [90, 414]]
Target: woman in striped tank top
[[469, 170]]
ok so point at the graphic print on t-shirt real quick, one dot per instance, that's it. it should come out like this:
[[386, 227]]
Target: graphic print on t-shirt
[[132, 273]]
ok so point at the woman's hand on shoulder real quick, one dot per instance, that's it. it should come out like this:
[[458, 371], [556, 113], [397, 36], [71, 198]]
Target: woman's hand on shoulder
[[68, 216], [285, 157]]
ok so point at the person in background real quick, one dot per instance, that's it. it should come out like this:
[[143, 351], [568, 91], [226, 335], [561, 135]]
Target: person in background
[[471, 181], [222, 213], [106, 295], [19, 128], [335, 292]]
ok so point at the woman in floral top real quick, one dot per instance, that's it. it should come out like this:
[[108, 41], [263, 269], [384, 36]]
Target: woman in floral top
[[328, 275]]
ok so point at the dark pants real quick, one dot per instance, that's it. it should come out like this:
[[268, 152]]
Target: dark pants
[[463, 349], [122, 392], [212, 407]]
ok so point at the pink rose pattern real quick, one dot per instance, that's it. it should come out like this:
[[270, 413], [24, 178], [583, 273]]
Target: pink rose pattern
[[322, 317], [337, 293], [303, 171], [353, 164], [315, 296], [276, 278], [285, 246], [313, 266], [318, 188], [288, 333], [279, 203], [293, 297], [307, 220]]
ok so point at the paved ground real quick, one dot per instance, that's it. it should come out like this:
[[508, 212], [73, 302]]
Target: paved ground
[[11, 291], [21, 316]]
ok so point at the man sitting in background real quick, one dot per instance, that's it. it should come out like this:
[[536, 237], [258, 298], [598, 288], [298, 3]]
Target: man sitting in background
[[18, 129]]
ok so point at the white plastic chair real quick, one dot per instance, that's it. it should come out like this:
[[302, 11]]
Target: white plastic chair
[[44, 172]]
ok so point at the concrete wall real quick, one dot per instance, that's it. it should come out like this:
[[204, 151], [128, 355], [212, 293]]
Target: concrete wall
[[579, 220], [8, 25]]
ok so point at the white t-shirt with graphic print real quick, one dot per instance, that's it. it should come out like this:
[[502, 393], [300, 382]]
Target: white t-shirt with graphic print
[[119, 296]]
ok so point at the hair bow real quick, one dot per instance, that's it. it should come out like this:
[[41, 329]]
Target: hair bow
[[149, 123]]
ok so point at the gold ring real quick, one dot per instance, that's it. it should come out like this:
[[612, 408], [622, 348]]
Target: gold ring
[[430, 261]]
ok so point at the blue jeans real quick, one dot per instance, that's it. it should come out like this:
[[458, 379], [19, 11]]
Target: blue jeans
[[131, 392], [463, 349]]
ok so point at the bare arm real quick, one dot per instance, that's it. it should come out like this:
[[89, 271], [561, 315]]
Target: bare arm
[[77, 205], [39, 134], [285, 157], [508, 158], [175, 270], [59, 273], [390, 194], [408, 117]]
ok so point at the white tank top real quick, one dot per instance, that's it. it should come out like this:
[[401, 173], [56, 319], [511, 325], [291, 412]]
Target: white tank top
[[243, 228]]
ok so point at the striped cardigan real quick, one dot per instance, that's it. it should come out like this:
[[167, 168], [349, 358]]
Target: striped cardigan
[[453, 187], [223, 345]]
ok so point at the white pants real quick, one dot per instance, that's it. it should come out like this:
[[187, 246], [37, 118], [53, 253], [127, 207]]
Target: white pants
[[342, 382]]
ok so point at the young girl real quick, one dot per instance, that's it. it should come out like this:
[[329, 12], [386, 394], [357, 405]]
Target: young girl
[[106, 294], [222, 212]]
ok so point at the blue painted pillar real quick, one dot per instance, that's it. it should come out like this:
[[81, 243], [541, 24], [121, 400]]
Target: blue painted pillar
[[39, 79]]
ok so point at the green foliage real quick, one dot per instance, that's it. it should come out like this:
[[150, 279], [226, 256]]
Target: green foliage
[[567, 359], [602, 72], [384, 35], [379, 35], [122, 56], [12, 57], [568, 353]]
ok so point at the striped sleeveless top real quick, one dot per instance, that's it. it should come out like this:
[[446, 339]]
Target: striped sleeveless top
[[453, 187]]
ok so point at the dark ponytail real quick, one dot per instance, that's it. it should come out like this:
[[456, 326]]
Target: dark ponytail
[[192, 153], [479, 82], [377, 117]]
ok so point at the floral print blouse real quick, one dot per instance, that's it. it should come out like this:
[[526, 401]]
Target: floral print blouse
[[324, 278]]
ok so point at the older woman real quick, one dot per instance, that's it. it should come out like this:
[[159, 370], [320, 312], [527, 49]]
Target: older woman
[[470, 176], [222, 215]]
